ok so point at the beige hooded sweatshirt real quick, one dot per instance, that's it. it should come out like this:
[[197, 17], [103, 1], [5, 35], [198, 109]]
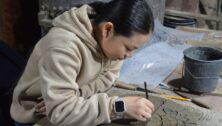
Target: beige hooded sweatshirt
[[69, 71]]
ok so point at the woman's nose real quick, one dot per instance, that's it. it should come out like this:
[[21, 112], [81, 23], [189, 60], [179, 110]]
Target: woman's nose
[[128, 55]]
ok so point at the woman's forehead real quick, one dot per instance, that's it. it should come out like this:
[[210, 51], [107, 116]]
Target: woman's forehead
[[138, 40]]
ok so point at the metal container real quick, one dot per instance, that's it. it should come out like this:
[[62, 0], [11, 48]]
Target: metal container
[[201, 69]]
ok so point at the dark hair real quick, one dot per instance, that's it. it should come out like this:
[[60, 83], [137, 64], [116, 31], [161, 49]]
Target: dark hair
[[128, 16]]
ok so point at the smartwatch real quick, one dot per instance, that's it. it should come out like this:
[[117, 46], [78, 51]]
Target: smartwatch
[[119, 106]]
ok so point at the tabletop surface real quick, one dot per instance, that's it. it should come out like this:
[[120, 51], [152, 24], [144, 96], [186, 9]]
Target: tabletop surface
[[174, 112], [169, 112]]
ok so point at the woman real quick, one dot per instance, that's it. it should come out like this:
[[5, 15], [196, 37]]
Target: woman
[[78, 60]]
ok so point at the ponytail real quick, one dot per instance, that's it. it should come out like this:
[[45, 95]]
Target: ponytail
[[128, 16]]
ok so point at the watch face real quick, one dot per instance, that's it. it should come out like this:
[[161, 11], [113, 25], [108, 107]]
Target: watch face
[[119, 106]]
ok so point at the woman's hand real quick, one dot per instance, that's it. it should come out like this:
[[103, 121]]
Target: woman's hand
[[138, 107], [40, 107]]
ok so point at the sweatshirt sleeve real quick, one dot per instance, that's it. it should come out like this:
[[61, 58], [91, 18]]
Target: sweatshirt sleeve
[[64, 107], [104, 81]]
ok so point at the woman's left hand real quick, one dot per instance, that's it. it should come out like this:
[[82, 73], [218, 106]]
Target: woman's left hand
[[40, 107]]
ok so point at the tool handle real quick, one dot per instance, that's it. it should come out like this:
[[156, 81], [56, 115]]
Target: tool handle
[[199, 103], [176, 97], [124, 85]]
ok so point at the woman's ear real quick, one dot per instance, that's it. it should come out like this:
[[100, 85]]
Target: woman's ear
[[107, 29]]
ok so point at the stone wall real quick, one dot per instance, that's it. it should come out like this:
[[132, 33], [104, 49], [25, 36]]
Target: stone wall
[[48, 8]]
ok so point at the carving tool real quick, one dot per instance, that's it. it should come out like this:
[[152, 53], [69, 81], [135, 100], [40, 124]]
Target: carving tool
[[178, 92], [199, 103], [123, 85], [132, 87], [147, 95]]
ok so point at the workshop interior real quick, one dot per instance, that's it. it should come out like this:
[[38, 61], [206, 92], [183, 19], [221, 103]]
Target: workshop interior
[[179, 69]]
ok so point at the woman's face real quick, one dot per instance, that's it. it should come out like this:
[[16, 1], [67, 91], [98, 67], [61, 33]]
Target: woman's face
[[117, 47], [120, 47]]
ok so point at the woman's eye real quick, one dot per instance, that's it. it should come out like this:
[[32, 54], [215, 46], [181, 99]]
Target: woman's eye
[[128, 49]]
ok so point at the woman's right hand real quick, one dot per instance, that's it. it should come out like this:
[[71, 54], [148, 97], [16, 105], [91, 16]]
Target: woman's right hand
[[138, 107]]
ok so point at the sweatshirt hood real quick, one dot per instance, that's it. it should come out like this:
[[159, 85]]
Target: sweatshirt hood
[[76, 20]]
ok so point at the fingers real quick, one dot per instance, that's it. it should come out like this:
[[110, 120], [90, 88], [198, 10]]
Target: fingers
[[40, 110], [148, 110], [41, 104], [150, 105], [145, 116], [142, 116], [139, 108], [40, 107]]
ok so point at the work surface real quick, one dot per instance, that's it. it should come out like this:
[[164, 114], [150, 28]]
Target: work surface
[[212, 39], [182, 113], [213, 100], [171, 113]]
